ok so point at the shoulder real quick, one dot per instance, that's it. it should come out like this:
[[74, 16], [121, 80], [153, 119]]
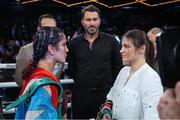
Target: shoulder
[[152, 73], [28, 46], [37, 83], [107, 36], [75, 43], [109, 39], [125, 69], [76, 40], [151, 79], [25, 52]]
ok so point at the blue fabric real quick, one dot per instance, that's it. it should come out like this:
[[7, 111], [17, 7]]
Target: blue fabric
[[39, 107]]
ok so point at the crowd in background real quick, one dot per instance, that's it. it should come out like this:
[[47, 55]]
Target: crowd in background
[[18, 33]]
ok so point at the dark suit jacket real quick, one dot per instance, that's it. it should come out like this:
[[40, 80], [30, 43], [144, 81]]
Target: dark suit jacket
[[22, 61]]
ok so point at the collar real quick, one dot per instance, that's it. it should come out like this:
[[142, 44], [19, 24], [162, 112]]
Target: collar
[[98, 38]]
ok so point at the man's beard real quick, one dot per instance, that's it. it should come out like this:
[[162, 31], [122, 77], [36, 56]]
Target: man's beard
[[92, 31]]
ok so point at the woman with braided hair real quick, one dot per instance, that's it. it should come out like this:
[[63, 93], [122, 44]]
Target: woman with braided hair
[[41, 92]]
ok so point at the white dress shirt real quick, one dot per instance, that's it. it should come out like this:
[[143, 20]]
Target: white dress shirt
[[139, 97]]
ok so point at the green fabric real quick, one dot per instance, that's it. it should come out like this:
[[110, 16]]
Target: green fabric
[[32, 89], [103, 112]]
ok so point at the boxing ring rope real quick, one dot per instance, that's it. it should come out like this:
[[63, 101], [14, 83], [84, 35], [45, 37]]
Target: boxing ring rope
[[8, 66], [13, 65], [13, 84]]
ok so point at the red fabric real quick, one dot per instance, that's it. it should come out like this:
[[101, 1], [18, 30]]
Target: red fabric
[[107, 105], [40, 73]]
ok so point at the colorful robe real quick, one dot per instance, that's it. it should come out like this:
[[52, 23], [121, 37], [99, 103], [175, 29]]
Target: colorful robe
[[43, 104]]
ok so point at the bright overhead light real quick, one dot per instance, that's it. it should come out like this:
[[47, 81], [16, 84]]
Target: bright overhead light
[[65, 2], [78, 3], [58, 1], [29, 1], [164, 3]]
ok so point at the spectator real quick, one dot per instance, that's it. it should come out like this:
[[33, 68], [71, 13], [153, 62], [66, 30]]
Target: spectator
[[93, 63]]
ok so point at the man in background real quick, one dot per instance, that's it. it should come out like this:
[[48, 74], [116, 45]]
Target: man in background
[[25, 53], [93, 62]]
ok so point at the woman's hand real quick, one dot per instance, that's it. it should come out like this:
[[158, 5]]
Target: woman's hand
[[107, 117]]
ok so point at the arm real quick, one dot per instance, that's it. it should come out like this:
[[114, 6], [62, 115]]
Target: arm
[[106, 109], [105, 112], [21, 62], [151, 90], [169, 105]]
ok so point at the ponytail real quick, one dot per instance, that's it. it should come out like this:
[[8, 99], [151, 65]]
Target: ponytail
[[150, 53]]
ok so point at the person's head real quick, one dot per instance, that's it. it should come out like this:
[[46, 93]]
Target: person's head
[[152, 36], [153, 33], [49, 43], [9, 50], [91, 19], [46, 20], [135, 46]]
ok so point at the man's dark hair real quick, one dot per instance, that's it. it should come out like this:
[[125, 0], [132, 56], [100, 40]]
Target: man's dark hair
[[90, 8], [44, 16]]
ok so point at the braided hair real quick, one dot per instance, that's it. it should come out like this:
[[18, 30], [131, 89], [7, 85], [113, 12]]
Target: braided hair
[[42, 38]]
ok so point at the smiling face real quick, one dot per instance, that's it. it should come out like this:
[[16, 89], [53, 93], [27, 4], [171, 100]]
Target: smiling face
[[61, 52], [91, 22]]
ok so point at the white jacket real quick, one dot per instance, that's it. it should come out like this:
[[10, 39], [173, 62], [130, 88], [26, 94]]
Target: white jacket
[[138, 99]]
